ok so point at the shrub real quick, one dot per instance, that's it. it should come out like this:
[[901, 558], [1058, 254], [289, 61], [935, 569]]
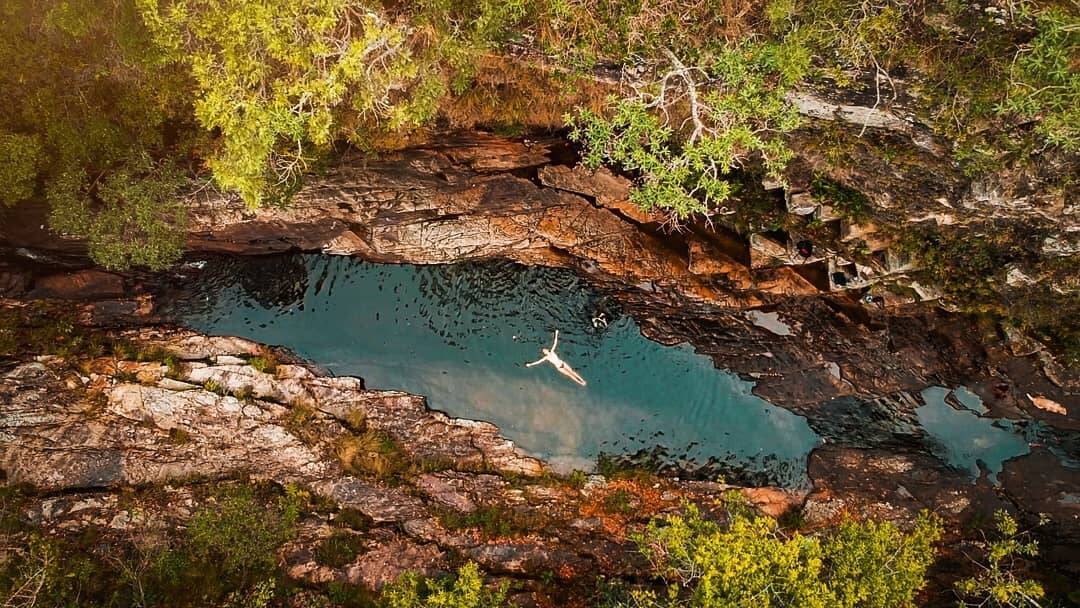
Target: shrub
[[751, 562], [466, 590], [272, 78], [999, 583], [134, 216], [266, 363], [20, 159], [226, 557], [300, 414], [339, 549], [371, 453], [577, 479], [1044, 84], [42, 573], [875, 565], [172, 367], [495, 521], [87, 108], [239, 534]]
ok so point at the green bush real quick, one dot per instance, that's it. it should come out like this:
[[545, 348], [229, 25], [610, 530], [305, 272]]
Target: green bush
[[272, 78], [494, 521], [44, 572], [999, 582], [239, 534], [750, 562], [266, 363], [20, 160], [226, 557], [466, 590], [1044, 82], [134, 216], [875, 565], [94, 118]]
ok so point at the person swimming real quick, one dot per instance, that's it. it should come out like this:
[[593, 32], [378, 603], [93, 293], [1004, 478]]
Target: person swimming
[[560, 365]]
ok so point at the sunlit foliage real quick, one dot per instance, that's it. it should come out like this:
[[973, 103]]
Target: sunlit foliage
[[89, 108], [20, 157], [999, 582], [466, 590], [751, 562], [687, 127], [1044, 80], [271, 77]]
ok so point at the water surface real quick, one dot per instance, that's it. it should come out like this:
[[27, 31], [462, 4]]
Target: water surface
[[965, 440], [460, 334]]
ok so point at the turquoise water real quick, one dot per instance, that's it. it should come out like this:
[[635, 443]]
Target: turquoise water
[[461, 335], [963, 439]]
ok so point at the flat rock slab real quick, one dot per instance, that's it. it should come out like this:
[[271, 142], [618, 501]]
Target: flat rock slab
[[381, 503], [387, 562], [528, 557]]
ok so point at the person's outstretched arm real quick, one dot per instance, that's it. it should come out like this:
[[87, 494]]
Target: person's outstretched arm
[[536, 362], [556, 342]]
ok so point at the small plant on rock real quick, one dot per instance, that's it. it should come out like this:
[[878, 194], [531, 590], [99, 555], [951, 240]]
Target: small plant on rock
[[371, 453], [999, 582], [339, 549], [266, 363], [466, 590], [688, 126]]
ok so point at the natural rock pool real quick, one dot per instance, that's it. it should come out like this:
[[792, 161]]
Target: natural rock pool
[[461, 335]]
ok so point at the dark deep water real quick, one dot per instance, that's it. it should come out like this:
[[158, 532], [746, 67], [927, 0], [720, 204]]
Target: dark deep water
[[461, 334]]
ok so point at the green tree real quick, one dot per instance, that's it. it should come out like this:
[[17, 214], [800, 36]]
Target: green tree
[[690, 125], [273, 77], [132, 216], [875, 565], [86, 98]]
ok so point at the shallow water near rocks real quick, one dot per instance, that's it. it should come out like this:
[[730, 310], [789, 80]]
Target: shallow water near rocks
[[965, 440], [461, 335]]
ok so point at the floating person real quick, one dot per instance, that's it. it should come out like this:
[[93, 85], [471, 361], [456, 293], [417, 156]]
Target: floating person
[[560, 365]]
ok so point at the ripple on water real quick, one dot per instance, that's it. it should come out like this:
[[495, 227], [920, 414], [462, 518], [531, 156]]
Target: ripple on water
[[461, 335]]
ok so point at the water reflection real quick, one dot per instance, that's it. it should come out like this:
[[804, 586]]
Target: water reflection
[[963, 439]]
